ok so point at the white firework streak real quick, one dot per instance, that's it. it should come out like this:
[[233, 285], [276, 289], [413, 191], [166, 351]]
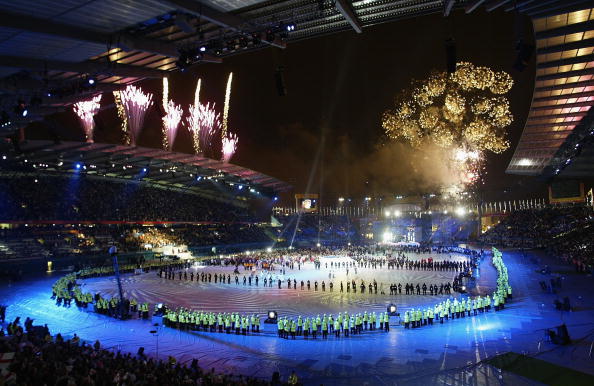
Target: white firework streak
[[226, 106], [229, 146], [85, 110], [171, 120], [136, 104]]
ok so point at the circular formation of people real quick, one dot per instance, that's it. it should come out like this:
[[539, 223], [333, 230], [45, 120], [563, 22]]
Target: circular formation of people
[[272, 273]]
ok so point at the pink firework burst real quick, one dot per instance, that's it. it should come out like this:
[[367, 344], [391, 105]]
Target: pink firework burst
[[85, 110], [229, 146], [136, 104], [203, 123], [171, 122]]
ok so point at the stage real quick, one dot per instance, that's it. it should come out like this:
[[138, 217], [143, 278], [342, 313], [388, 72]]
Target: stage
[[436, 354]]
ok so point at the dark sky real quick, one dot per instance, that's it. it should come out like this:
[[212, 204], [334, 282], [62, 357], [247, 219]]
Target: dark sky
[[337, 88]]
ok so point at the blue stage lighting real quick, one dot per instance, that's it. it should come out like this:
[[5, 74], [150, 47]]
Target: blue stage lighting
[[78, 165]]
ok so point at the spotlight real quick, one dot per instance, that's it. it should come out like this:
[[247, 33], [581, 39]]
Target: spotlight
[[290, 27], [392, 310], [318, 245], [91, 81], [20, 108], [240, 187], [78, 165], [144, 170], [272, 317], [275, 198], [202, 49]]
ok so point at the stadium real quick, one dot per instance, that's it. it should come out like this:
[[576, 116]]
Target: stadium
[[326, 192]]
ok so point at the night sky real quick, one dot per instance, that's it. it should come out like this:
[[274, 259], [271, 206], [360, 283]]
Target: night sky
[[337, 88]]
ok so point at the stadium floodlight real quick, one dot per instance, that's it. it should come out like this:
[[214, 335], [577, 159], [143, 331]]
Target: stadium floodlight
[[392, 309], [272, 317]]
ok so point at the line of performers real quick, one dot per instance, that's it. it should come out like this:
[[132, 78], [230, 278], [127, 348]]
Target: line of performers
[[328, 324], [453, 309], [185, 319]]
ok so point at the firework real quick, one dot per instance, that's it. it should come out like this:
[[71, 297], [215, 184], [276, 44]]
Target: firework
[[226, 107], [203, 122], [122, 115], [229, 146], [85, 110], [466, 107], [465, 113], [171, 120], [197, 93], [165, 100], [135, 104]]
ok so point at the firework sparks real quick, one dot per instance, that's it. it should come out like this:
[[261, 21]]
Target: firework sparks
[[226, 107], [203, 122], [229, 146], [465, 113], [171, 122], [122, 115], [85, 110], [466, 107], [136, 104], [165, 101], [197, 93]]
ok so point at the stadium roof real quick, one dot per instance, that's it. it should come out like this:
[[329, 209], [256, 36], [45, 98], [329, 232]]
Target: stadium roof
[[50, 48], [560, 114], [127, 162]]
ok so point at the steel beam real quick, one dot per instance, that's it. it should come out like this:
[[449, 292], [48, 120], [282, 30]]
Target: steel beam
[[565, 96], [348, 13], [566, 30], [565, 86], [566, 61], [585, 43], [473, 5], [566, 74], [222, 19], [89, 67]]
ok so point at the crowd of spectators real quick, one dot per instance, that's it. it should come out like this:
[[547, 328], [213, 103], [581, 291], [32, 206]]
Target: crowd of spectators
[[567, 232], [80, 198], [56, 241], [42, 359]]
